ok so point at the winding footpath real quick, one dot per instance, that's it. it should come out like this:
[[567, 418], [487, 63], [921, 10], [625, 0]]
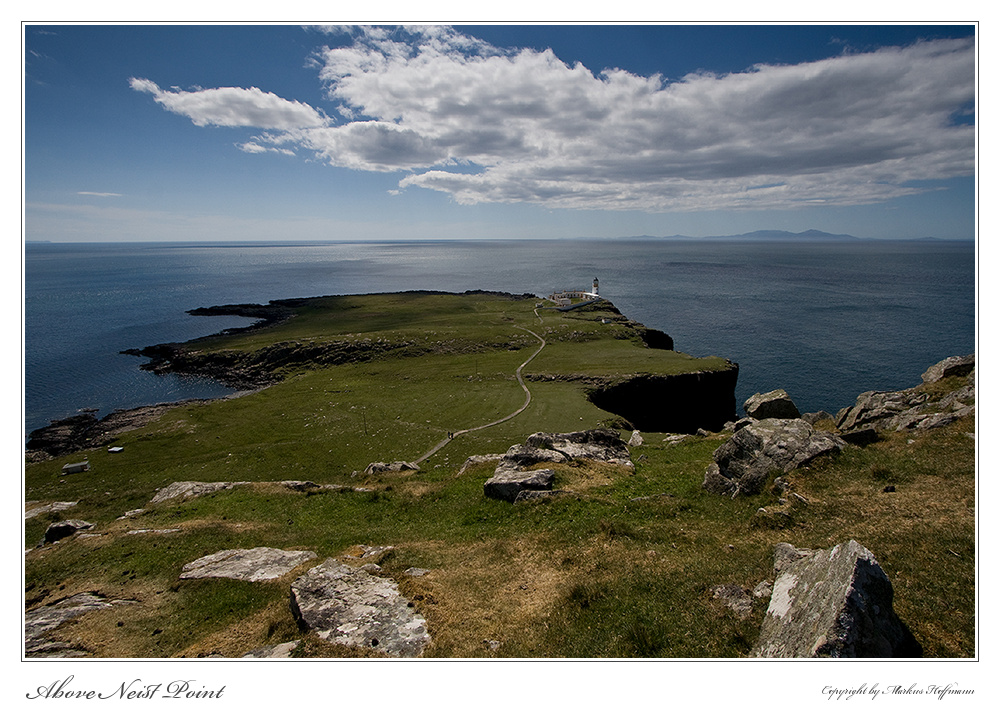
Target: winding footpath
[[527, 401]]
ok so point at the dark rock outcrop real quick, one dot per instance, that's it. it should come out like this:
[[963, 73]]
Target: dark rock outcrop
[[63, 529], [744, 462], [86, 431], [771, 405], [352, 607], [833, 603], [914, 408], [676, 403]]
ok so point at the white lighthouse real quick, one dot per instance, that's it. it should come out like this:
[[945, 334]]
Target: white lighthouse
[[595, 288]]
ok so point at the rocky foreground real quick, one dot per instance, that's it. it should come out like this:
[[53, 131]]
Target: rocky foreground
[[834, 602]]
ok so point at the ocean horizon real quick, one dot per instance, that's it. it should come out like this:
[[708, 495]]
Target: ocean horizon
[[824, 320]]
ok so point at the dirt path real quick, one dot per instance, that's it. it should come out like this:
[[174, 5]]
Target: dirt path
[[527, 401]]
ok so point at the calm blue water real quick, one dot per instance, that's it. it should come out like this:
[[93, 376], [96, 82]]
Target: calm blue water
[[824, 321]]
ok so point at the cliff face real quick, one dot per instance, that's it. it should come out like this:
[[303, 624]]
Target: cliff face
[[681, 403]]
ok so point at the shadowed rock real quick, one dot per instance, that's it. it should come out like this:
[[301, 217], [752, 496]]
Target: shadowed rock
[[506, 484], [65, 528], [833, 603], [771, 405], [349, 606], [253, 565], [744, 462]]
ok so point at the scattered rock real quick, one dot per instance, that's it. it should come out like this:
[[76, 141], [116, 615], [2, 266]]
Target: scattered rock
[[415, 572], [40, 623], [65, 528], [763, 589], [599, 445], [42, 509], [374, 553], [771, 405], [492, 644], [384, 467], [187, 490], [253, 565], [635, 440], [735, 598], [351, 607], [833, 603], [281, 650], [743, 463], [153, 532], [506, 484]]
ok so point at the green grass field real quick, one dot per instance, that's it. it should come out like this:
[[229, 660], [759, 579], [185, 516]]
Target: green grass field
[[600, 573]]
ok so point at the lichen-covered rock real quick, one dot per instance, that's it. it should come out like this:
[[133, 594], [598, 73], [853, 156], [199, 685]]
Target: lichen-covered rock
[[599, 445], [744, 462], [280, 650], [506, 484], [833, 603], [771, 405], [187, 490], [351, 607], [253, 565], [953, 366], [40, 624]]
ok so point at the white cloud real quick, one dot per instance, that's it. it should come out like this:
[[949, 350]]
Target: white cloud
[[485, 124], [233, 107]]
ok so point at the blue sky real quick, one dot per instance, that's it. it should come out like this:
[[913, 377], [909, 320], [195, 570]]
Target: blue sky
[[229, 133]]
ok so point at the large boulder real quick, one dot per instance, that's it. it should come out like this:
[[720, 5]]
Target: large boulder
[[600, 445], [771, 405], [507, 484], [352, 607], [253, 565], [744, 462], [833, 603]]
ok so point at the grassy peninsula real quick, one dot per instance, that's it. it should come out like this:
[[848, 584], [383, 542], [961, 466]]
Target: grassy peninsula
[[621, 568]]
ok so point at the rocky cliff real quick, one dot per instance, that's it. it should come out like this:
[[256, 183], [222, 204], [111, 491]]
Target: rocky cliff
[[678, 403]]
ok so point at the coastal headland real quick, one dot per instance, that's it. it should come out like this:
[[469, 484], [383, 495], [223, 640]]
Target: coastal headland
[[368, 434]]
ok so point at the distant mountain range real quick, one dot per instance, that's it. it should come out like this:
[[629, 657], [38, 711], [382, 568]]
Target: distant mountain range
[[772, 235]]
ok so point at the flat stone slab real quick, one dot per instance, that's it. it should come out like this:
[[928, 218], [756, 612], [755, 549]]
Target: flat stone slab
[[350, 606], [253, 565], [41, 622], [186, 490], [41, 509]]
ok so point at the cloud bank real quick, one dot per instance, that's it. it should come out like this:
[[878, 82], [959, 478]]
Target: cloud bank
[[492, 125]]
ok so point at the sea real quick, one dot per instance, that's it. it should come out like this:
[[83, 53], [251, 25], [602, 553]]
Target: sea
[[823, 320]]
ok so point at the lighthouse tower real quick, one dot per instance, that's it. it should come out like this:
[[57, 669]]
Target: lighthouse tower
[[595, 288]]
